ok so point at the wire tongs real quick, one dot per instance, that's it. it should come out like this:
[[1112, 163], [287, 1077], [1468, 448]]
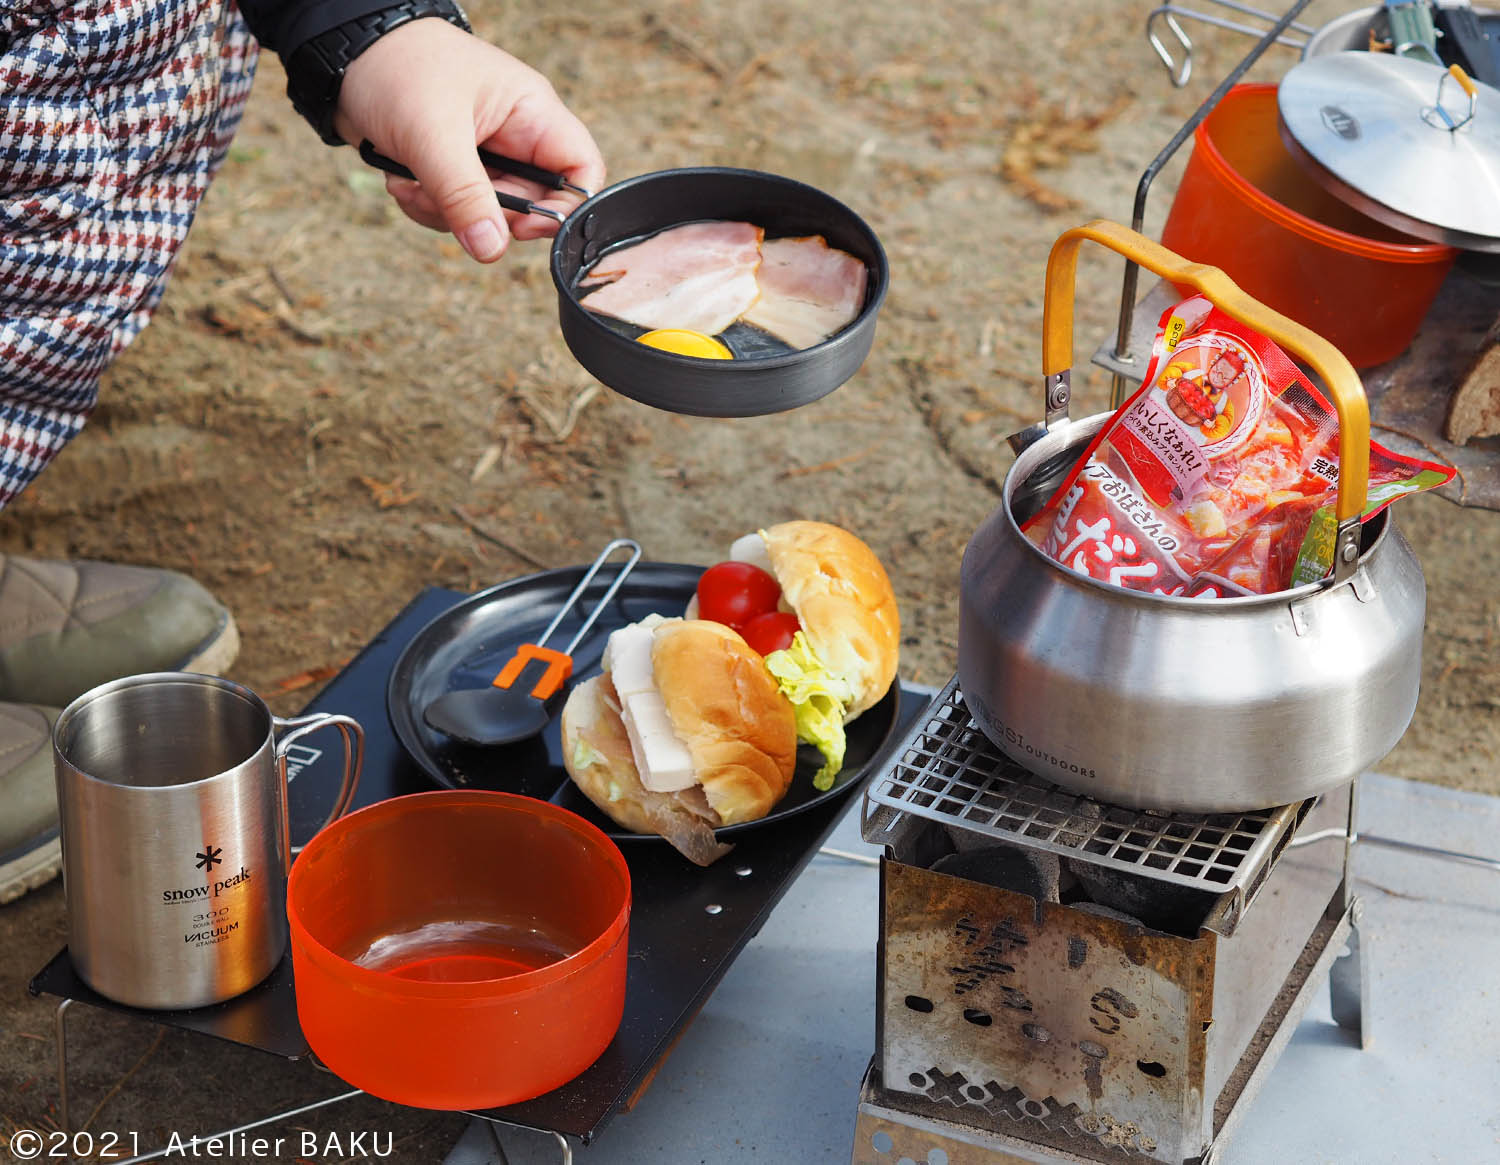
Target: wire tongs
[[493, 161]]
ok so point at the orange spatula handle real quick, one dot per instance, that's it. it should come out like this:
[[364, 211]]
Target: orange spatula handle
[[559, 668]]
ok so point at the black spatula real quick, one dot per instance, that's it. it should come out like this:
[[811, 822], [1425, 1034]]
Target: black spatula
[[506, 710]]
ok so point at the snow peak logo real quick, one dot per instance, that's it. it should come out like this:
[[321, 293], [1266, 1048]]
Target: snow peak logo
[[1340, 122], [208, 889]]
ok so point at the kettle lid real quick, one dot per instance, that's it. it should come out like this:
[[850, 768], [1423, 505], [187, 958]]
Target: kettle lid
[[1405, 141]]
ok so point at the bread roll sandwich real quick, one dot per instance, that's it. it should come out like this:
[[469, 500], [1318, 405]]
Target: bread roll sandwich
[[684, 732], [836, 645]]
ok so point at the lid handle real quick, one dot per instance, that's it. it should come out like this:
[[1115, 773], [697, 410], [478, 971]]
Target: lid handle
[[1332, 367], [1457, 73], [1437, 116]]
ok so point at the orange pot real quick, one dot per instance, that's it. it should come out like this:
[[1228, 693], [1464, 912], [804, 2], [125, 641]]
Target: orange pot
[[459, 949], [1247, 206]]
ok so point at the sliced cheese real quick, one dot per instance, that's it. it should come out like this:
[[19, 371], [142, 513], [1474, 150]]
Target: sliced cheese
[[661, 759], [627, 658]]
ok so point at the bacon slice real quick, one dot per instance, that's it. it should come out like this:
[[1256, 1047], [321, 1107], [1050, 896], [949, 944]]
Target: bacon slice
[[685, 818], [700, 276], [808, 290]]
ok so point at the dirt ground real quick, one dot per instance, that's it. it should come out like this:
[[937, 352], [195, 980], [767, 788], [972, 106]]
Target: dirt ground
[[335, 408]]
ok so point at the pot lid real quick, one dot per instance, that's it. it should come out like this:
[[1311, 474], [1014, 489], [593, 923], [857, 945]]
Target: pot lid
[[1409, 143]]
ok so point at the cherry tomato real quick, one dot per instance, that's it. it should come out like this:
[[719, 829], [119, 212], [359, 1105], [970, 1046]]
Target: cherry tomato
[[771, 631], [733, 593]]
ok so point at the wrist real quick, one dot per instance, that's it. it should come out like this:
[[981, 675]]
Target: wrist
[[316, 68]]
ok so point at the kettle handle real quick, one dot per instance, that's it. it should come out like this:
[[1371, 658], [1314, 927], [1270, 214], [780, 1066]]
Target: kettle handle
[[1328, 362]]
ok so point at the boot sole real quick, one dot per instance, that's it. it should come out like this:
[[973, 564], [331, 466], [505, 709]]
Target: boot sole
[[32, 870], [214, 655]]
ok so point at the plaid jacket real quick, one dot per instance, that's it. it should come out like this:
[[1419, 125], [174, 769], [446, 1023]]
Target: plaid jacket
[[114, 115]]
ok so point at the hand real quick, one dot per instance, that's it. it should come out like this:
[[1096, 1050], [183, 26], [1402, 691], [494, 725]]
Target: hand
[[426, 94]]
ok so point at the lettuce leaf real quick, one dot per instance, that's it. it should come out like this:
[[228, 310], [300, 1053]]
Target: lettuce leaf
[[818, 698], [585, 754]]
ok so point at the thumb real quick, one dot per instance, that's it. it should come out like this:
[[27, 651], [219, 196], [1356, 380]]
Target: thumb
[[453, 177]]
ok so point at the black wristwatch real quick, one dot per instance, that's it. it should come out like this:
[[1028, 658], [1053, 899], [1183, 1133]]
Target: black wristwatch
[[315, 69]]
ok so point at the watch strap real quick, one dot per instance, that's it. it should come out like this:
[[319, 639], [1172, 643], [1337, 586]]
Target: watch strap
[[315, 69]]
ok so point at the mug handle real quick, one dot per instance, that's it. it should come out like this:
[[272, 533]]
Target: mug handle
[[354, 758]]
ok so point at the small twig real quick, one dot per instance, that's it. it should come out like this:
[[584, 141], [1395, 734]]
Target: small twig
[[1393, 893], [316, 334], [281, 285], [250, 280], [563, 429], [246, 282], [754, 65], [987, 338], [120, 1083], [575, 410], [490, 536], [486, 462], [846, 856], [689, 44], [823, 466]]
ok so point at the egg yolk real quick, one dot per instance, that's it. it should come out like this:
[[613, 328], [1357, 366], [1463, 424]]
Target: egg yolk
[[686, 343]]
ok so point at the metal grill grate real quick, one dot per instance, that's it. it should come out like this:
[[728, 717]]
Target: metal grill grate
[[950, 772]]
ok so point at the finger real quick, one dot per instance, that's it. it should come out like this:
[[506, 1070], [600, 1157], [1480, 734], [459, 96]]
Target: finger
[[538, 226], [516, 224], [543, 131], [520, 188], [459, 187], [420, 208], [415, 204], [526, 226]]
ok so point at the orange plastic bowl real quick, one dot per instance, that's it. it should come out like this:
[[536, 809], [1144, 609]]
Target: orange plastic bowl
[[459, 949], [1247, 206]]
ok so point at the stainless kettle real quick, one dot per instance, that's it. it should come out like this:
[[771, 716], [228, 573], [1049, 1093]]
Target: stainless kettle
[[1187, 705]]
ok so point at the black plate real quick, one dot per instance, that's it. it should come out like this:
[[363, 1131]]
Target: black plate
[[750, 387], [466, 646]]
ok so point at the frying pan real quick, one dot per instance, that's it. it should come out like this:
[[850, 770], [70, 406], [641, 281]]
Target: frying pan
[[754, 386]]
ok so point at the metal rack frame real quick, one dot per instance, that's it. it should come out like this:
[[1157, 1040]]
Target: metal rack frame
[[949, 772], [1122, 354]]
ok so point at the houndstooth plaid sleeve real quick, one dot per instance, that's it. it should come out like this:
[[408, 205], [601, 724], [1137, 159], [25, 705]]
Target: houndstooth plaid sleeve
[[114, 116]]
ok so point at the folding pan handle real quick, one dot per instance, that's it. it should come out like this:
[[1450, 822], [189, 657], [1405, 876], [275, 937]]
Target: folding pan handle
[[1338, 375]]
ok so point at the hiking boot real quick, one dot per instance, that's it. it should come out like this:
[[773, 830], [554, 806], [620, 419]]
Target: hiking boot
[[66, 627], [30, 846]]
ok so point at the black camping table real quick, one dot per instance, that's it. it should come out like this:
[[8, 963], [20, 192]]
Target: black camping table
[[679, 949]]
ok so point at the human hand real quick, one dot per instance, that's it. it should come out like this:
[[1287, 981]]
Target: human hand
[[427, 94]]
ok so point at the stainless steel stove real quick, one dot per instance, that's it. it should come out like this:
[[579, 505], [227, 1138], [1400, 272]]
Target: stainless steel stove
[[1066, 980]]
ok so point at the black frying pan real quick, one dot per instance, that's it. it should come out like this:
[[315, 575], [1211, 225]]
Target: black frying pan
[[687, 384]]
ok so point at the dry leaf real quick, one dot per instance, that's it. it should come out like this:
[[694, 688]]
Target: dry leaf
[[306, 679], [389, 494]]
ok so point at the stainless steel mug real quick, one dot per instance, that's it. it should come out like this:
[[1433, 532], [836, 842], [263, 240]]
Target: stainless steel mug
[[172, 789]]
